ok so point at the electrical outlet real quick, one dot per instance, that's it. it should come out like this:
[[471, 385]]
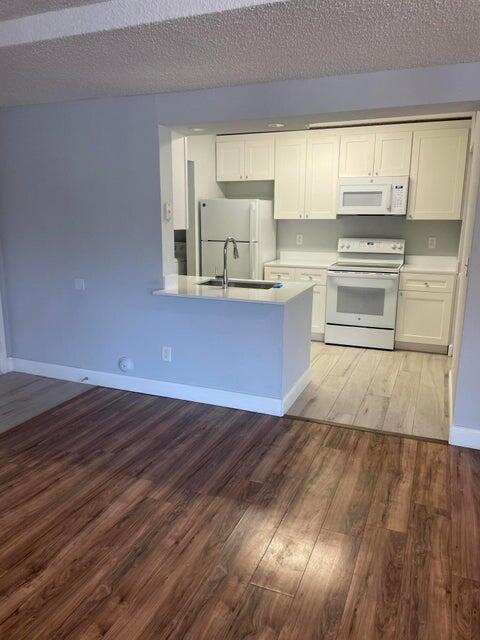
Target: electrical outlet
[[167, 354], [432, 242], [299, 238]]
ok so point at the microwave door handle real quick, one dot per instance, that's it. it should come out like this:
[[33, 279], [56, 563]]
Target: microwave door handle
[[388, 199]]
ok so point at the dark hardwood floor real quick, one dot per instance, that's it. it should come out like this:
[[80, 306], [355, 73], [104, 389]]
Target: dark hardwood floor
[[130, 517]]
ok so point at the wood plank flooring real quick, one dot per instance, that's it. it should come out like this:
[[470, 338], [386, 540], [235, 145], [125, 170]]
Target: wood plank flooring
[[396, 391], [23, 396], [131, 517]]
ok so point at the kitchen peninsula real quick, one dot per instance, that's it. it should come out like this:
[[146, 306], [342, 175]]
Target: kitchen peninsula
[[263, 363]]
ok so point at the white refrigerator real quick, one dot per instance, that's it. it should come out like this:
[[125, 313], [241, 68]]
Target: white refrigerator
[[252, 225]]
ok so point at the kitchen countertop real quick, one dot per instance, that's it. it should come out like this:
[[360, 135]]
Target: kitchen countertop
[[305, 259], [322, 260], [191, 287], [430, 264]]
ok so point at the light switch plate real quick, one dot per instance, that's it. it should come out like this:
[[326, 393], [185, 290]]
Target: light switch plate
[[299, 239], [432, 242], [79, 284]]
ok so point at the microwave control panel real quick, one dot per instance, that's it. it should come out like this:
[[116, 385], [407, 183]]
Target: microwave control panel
[[399, 197]]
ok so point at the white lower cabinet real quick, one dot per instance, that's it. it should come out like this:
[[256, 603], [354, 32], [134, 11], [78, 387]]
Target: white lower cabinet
[[424, 311], [314, 275]]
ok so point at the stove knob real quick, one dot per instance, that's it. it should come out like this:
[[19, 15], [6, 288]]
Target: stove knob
[[348, 246], [342, 246]]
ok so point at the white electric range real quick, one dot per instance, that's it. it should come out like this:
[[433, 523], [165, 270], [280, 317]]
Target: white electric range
[[362, 291]]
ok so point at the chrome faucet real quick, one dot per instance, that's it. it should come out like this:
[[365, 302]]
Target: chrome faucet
[[235, 255]]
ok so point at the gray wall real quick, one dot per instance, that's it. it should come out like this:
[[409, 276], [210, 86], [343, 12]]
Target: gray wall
[[80, 198], [467, 401]]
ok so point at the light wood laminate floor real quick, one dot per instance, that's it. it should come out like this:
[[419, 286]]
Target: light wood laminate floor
[[395, 391], [23, 396]]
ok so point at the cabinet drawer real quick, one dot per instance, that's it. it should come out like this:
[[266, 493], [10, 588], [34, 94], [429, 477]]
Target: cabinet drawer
[[318, 276], [427, 282], [279, 273]]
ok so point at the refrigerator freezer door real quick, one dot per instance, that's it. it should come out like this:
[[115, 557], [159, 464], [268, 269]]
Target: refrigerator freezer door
[[244, 267], [221, 218]]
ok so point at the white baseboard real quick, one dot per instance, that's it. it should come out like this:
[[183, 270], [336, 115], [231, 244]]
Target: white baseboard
[[296, 390], [464, 437], [247, 402]]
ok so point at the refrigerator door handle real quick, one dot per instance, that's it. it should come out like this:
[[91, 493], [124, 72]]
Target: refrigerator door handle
[[254, 260]]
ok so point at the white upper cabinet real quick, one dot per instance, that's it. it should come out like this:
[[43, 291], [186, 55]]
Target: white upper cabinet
[[259, 156], [393, 150], [290, 165], [248, 157], [437, 173], [230, 158], [321, 174], [356, 155]]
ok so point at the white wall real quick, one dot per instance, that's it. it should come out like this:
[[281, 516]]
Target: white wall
[[200, 150]]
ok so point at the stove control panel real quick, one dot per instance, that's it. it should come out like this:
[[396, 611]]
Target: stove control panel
[[371, 245]]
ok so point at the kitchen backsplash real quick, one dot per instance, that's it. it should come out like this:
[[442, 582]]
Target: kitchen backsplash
[[322, 235]]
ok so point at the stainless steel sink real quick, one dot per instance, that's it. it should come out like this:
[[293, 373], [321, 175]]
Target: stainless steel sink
[[242, 284]]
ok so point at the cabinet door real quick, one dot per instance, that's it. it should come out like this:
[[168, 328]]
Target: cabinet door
[[259, 156], [393, 151], [230, 158], [322, 172], [318, 310], [437, 174], [356, 155], [424, 318], [290, 162]]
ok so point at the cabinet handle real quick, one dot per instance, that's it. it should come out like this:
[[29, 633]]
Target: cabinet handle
[[246, 177], [369, 173], [241, 177], [426, 284], [376, 173]]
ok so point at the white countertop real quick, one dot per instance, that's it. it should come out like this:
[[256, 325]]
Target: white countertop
[[322, 260], [305, 259], [190, 287], [430, 264]]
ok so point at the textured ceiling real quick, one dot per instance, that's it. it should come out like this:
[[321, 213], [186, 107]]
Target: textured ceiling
[[10, 9], [268, 42]]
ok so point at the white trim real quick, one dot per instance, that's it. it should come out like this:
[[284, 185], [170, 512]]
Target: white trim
[[219, 397], [296, 390], [464, 437], [450, 399]]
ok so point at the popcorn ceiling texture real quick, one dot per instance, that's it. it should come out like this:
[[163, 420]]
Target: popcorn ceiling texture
[[10, 9], [275, 41]]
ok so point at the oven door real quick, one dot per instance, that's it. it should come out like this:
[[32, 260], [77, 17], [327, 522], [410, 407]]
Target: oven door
[[364, 199], [362, 299]]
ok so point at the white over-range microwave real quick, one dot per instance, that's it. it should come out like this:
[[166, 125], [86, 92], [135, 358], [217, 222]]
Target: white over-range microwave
[[378, 196]]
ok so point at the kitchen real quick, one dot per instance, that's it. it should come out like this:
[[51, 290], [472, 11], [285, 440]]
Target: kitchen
[[373, 214]]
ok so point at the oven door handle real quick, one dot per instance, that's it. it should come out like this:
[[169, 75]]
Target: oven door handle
[[359, 274]]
